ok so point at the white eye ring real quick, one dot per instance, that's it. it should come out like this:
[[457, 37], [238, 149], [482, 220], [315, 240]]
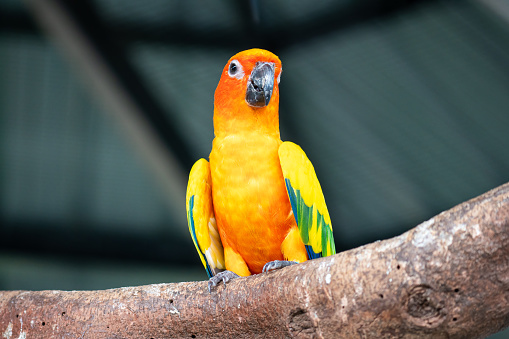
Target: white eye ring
[[279, 76], [235, 70]]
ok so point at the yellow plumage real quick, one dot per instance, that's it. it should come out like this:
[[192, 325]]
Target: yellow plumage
[[202, 224], [301, 176]]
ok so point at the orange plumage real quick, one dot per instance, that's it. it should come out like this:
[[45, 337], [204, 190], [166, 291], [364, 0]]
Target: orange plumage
[[251, 205]]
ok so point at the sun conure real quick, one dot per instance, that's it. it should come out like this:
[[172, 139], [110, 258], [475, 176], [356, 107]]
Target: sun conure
[[257, 205]]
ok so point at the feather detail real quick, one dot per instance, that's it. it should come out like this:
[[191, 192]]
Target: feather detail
[[201, 220], [308, 203]]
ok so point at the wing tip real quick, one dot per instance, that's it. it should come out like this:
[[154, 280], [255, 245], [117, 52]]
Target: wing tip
[[312, 254]]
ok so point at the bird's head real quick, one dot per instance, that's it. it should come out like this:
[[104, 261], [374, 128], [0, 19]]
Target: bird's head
[[247, 95]]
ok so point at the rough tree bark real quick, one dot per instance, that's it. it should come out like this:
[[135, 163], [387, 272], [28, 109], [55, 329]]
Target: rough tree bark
[[446, 278]]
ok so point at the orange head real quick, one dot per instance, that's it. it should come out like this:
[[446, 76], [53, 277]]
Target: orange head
[[247, 96]]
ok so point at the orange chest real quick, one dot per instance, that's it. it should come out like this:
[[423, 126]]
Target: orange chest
[[251, 205]]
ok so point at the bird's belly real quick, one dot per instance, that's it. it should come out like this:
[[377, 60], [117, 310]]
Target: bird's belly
[[251, 204]]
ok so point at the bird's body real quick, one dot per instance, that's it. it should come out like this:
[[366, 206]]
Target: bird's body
[[258, 200], [250, 200]]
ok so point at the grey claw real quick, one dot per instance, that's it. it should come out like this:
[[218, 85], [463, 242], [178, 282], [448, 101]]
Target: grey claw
[[277, 264], [223, 276]]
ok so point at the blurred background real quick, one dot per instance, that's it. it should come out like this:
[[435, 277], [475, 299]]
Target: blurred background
[[401, 105]]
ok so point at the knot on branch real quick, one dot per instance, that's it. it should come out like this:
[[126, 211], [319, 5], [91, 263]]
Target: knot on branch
[[425, 307], [301, 325]]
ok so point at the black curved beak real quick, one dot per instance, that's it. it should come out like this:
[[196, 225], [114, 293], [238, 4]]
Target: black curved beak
[[260, 84]]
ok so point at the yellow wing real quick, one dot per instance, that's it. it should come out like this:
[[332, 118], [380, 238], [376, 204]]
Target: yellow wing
[[201, 220], [308, 203]]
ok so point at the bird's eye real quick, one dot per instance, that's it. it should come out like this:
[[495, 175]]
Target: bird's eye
[[235, 70]]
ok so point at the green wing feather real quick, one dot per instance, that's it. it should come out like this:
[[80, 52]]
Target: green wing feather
[[308, 203], [201, 220]]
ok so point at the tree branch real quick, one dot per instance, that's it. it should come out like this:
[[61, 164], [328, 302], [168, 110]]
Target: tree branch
[[446, 278]]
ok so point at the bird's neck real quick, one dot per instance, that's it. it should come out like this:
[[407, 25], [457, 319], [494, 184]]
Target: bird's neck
[[245, 120]]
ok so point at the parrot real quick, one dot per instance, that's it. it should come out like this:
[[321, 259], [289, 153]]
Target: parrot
[[256, 205]]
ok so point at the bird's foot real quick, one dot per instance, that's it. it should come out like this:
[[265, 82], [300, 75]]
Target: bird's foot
[[223, 276], [277, 264]]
